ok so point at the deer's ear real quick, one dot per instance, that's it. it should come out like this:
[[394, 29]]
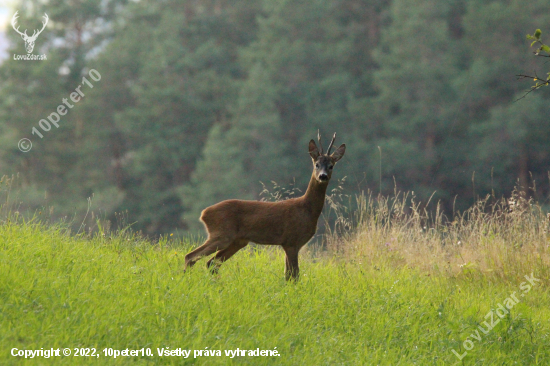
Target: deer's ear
[[313, 152], [339, 153]]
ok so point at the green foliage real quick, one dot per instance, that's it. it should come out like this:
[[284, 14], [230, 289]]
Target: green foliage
[[537, 39], [542, 50], [238, 157], [62, 169], [520, 147], [419, 58], [201, 102], [174, 106]]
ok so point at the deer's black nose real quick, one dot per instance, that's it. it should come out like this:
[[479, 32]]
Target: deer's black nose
[[323, 177]]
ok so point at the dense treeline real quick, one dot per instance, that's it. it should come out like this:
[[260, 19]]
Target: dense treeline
[[200, 101]]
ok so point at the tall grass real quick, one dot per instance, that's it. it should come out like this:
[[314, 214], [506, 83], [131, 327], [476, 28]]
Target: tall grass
[[500, 238], [396, 285]]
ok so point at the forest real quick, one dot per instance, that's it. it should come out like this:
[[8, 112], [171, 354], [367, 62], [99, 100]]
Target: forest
[[186, 103]]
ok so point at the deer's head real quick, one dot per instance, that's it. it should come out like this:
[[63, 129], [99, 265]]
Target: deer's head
[[323, 163], [29, 40]]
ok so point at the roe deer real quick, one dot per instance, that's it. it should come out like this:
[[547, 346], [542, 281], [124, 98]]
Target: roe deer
[[232, 224]]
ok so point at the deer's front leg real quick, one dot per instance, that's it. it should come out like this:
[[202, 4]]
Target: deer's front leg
[[292, 271]]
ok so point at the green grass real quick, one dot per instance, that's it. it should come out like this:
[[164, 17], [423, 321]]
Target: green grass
[[119, 291]]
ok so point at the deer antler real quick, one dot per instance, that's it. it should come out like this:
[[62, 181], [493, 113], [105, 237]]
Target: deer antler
[[14, 22], [34, 35], [319, 139], [332, 142]]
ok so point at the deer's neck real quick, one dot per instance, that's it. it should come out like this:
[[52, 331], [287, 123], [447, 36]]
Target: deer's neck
[[314, 198]]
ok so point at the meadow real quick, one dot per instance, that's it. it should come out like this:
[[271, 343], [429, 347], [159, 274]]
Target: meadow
[[392, 285]]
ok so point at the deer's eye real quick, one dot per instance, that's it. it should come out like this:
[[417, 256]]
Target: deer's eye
[[317, 166], [330, 167]]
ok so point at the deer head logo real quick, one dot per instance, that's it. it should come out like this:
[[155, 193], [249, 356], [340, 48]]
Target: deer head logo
[[29, 41]]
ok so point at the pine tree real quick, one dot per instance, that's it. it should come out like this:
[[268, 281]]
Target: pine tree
[[238, 157], [52, 173], [188, 76], [507, 134], [415, 115]]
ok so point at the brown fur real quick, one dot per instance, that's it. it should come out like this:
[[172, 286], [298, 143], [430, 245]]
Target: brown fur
[[232, 224]]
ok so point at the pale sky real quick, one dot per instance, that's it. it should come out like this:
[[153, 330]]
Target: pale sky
[[5, 12]]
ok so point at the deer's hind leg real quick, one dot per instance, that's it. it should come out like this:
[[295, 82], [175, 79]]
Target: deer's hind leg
[[216, 261], [211, 245]]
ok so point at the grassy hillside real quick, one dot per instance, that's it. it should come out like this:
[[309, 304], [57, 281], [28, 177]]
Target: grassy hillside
[[369, 300]]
